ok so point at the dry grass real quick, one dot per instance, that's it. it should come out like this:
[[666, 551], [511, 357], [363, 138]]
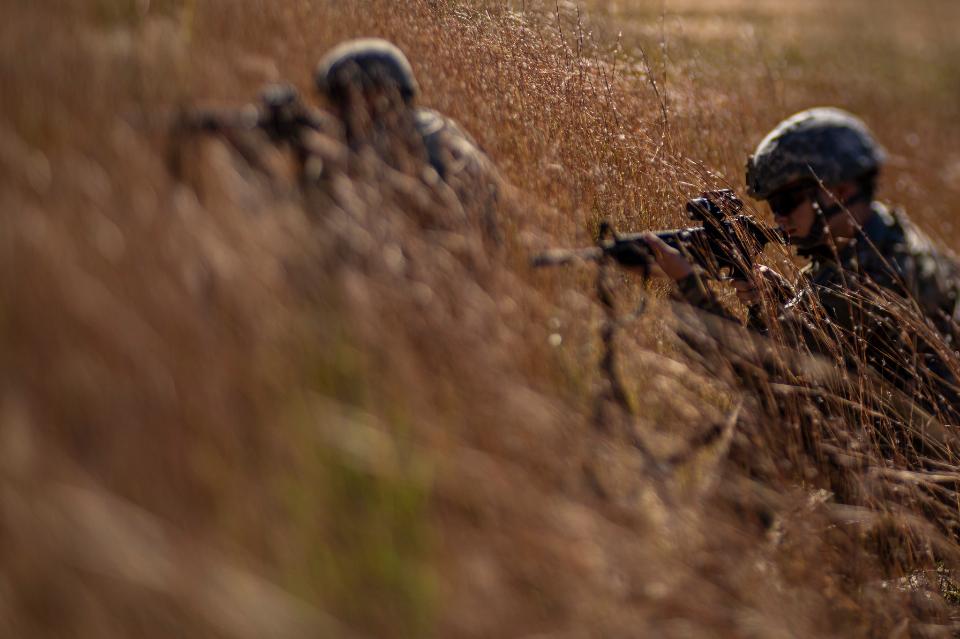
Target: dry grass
[[228, 410]]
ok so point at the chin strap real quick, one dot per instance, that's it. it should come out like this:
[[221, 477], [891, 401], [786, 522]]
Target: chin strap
[[809, 244], [831, 211]]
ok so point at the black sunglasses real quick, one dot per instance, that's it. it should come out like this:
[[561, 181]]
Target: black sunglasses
[[784, 202]]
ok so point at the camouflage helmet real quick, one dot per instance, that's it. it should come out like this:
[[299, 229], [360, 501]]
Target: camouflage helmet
[[825, 143], [366, 62]]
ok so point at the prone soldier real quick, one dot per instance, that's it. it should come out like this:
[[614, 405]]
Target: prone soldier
[[370, 85], [818, 171]]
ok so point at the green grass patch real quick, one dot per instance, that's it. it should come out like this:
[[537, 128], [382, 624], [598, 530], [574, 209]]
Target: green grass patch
[[358, 520]]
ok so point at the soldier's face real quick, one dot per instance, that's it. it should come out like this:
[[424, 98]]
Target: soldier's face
[[793, 210]]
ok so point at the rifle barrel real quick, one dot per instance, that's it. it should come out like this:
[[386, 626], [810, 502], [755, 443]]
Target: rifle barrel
[[561, 257], [209, 120]]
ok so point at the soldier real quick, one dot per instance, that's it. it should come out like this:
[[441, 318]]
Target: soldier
[[370, 85], [818, 172]]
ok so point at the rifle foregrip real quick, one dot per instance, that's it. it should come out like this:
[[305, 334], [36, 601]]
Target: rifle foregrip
[[629, 253]]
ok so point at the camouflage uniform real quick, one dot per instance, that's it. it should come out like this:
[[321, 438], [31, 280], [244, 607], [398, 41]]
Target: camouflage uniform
[[891, 254], [459, 161]]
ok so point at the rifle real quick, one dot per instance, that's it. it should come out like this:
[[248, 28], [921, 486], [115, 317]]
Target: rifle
[[279, 113], [725, 241]]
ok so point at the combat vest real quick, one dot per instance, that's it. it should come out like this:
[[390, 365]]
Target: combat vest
[[892, 254]]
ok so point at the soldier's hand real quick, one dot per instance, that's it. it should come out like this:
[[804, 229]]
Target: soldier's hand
[[748, 292], [668, 261]]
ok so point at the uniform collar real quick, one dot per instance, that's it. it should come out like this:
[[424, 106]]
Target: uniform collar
[[878, 223], [871, 233]]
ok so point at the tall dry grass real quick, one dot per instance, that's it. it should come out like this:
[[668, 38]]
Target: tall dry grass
[[236, 407]]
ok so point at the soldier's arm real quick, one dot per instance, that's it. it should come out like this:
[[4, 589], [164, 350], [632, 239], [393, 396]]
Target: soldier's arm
[[929, 278], [462, 164], [807, 321], [693, 290], [690, 286], [764, 297], [767, 298]]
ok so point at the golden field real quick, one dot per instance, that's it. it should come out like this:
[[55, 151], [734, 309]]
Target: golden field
[[234, 407]]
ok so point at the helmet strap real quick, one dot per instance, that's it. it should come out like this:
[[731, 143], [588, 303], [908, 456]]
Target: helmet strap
[[831, 211], [807, 245], [814, 238]]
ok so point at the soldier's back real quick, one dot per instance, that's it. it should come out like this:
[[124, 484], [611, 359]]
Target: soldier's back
[[895, 254], [461, 163]]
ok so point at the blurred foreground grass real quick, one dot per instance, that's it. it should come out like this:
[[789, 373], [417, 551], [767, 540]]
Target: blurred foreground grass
[[219, 417]]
